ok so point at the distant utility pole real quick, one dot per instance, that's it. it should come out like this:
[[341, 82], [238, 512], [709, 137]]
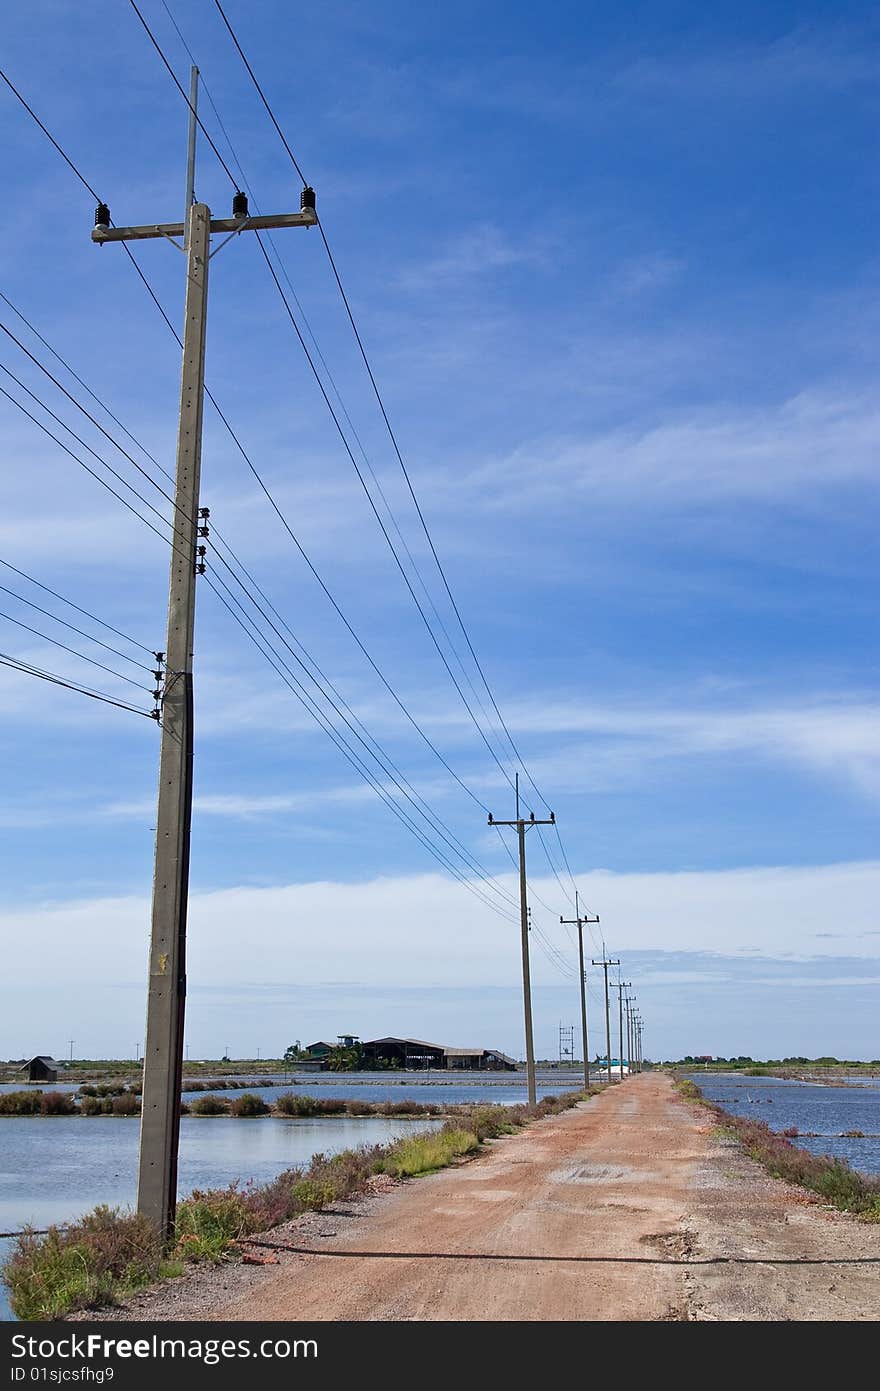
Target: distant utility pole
[[579, 921], [629, 1002], [620, 986], [522, 825], [163, 1053], [605, 963], [637, 1040], [71, 1041]]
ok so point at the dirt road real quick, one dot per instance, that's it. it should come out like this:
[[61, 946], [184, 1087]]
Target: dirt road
[[629, 1207]]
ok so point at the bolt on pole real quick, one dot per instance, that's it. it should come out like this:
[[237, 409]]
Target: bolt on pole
[[522, 825]]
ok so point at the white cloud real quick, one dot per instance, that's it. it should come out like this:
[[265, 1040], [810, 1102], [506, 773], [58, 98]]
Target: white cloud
[[420, 932], [812, 441]]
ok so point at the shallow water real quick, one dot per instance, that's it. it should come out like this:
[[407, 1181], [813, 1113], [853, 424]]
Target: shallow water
[[809, 1106], [55, 1168]]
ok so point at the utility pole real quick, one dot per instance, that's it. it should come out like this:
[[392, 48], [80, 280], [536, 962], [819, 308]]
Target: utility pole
[[522, 826], [620, 986], [163, 1051], [630, 1001], [71, 1041], [605, 963], [579, 921]]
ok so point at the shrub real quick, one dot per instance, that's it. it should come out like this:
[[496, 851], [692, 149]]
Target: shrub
[[208, 1221], [291, 1105], [20, 1103], [210, 1106], [91, 1106], [88, 1263], [790, 1132], [311, 1195], [249, 1105], [57, 1104], [126, 1105]]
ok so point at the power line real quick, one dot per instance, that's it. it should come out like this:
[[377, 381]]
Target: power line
[[392, 436], [226, 423], [352, 757], [73, 628], [173, 77], [49, 136], [85, 386], [253, 469], [27, 669], [333, 414], [98, 426], [376, 514], [72, 650], [91, 471], [94, 617], [383, 759]]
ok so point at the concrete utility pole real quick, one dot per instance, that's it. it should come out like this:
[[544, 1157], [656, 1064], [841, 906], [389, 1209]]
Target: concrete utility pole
[[522, 826], [577, 919], [629, 1002], [163, 1051], [620, 986], [605, 963]]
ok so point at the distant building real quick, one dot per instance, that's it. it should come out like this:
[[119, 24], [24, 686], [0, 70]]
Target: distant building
[[416, 1053], [320, 1050], [478, 1060], [42, 1069], [405, 1052]]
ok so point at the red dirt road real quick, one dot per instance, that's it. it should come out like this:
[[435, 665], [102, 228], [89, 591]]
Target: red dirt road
[[626, 1208]]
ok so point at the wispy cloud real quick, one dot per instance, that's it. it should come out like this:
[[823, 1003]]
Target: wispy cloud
[[480, 251], [807, 443]]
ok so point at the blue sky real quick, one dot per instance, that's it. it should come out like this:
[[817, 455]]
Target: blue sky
[[616, 272]]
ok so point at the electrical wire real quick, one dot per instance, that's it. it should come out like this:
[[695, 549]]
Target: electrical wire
[[27, 669], [73, 628], [91, 471], [388, 766], [72, 650], [25, 576], [173, 77], [395, 444], [294, 685], [141, 275], [377, 515]]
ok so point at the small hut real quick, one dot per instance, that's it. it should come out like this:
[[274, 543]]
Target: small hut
[[41, 1069]]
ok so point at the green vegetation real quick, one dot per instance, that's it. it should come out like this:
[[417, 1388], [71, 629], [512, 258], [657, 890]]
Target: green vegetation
[[247, 1105], [210, 1106], [833, 1179], [104, 1257], [109, 1254], [424, 1154]]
